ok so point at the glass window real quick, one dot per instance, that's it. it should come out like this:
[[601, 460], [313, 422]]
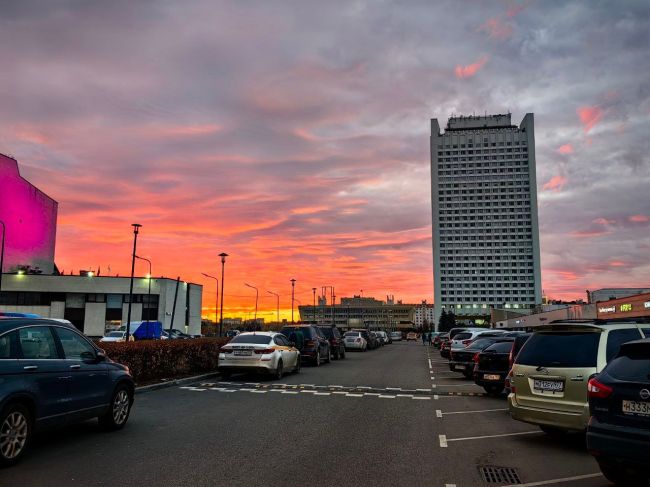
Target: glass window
[[252, 339], [73, 345], [500, 347], [463, 336], [37, 342], [8, 346], [561, 349], [616, 338], [633, 366]]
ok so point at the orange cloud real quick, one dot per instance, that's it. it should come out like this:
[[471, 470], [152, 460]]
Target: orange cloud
[[565, 149], [589, 117], [496, 29], [471, 69], [639, 218], [617, 263], [555, 184]]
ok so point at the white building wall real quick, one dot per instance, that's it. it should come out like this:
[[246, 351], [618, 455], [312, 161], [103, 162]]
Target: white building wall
[[94, 319]]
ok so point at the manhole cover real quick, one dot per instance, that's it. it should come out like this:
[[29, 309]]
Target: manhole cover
[[499, 475]]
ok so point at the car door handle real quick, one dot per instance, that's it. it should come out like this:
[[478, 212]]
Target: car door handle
[[75, 367], [30, 367]]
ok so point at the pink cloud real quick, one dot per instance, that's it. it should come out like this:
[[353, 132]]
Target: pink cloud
[[471, 69], [604, 221], [516, 9], [556, 183], [565, 149], [496, 29], [589, 117], [639, 218], [617, 263]]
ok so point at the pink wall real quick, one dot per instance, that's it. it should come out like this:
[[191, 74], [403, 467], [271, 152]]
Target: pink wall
[[30, 218]]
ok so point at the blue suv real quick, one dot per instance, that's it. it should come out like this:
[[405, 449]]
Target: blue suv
[[52, 375]]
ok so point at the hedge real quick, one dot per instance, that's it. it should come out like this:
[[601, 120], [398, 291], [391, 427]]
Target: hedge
[[153, 360]]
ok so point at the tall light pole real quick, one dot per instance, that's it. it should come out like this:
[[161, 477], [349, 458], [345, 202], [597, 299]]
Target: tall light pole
[[313, 290], [149, 290], [216, 299], [223, 256], [293, 287], [256, 298], [136, 230], [299, 305], [277, 296], [2, 252]]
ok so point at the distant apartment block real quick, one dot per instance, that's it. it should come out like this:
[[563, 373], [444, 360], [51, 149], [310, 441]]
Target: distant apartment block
[[484, 207]]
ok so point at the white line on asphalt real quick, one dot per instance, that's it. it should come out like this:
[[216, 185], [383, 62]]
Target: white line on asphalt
[[443, 441], [495, 436], [321, 393], [310, 385], [276, 390], [363, 387], [289, 392], [433, 386], [334, 386], [339, 392], [252, 383], [429, 363], [405, 395], [422, 398], [478, 411], [354, 395], [385, 396], [423, 390], [311, 392], [259, 392], [393, 388], [438, 413], [372, 394], [458, 385], [247, 390], [227, 390], [435, 396], [450, 485], [558, 481]]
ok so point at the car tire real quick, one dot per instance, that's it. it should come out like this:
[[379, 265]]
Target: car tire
[[342, 354], [296, 369], [329, 356], [15, 420], [554, 432], [317, 359], [617, 475], [278, 371], [468, 375], [120, 408], [337, 355]]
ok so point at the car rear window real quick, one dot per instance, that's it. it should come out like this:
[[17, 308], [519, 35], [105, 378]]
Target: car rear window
[[616, 338], [646, 332], [632, 367], [328, 332], [560, 349], [462, 336], [305, 330], [481, 343], [253, 339], [500, 347]]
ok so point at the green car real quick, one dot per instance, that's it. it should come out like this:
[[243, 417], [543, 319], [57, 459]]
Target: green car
[[550, 374]]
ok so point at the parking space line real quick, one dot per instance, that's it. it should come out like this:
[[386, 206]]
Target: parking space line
[[339, 392], [557, 481], [495, 436], [405, 395], [423, 390], [459, 385], [450, 485], [289, 392], [422, 398], [258, 392], [354, 395], [438, 413], [470, 412], [372, 394], [443, 441], [385, 396], [321, 393]]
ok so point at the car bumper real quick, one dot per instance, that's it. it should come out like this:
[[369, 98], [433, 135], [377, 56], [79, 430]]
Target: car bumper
[[233, 364], [628, 446], [354, 345], [456, 366], [479, 378], [548, 417]]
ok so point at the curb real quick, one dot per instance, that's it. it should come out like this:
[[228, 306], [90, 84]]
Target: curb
[[176, 382]]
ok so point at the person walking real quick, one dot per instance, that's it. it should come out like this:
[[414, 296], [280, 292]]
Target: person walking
[[424, 338]]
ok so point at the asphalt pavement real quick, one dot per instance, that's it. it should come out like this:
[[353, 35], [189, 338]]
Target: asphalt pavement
[[393, 416]]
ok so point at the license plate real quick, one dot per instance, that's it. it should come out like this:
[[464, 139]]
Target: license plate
[[548, 385], [491, 376], [243, 352], [636, 408], [461, 367]]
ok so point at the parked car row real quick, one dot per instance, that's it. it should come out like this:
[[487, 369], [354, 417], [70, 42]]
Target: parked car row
[[52, 375], [146, 330], [588, 376]]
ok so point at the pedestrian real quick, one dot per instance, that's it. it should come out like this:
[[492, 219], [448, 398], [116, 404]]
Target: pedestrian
[[424, 338]]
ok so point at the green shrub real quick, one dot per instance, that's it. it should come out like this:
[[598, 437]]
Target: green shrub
[[153, 360]]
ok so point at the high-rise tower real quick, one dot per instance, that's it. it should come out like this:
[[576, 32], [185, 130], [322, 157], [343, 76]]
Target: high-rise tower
[[484, 206]]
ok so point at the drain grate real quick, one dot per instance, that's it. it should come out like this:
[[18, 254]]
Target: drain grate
[[499, 475]]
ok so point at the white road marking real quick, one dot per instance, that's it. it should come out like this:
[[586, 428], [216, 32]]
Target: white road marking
[[259, 392], [435, 396], [334, 386], [423, 390], [310, 392], [558, 481], [354, 395], [247, 390], [321, 393], [385, 396], [495, 436], [252, 383], [438, 413], [433, 386], [422, 398], [393, 388], [429, 363], [459, 385], [443, 441], [405, 395], [363, 387], [339, 392], [289, 392], [372, 394], [450, 485], [227, 390], [477, 411]]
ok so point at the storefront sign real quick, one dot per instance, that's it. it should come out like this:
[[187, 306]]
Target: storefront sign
[[626, 307], [611, 309], [646, 305]]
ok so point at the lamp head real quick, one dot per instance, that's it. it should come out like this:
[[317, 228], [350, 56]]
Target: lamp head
[[136, 227], [223, 256]]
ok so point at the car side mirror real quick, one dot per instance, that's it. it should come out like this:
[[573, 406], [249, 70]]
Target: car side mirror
[[101, 356]]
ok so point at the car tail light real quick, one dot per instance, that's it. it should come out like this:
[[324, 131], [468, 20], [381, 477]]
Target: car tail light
[[226, 350], [511, 356], [508, 383], [263, 351], [310, 343], [466, 342], [598, 390], [476, 357]]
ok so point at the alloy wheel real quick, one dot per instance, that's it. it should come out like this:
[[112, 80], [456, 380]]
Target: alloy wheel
[[13, 435], [121, 407]]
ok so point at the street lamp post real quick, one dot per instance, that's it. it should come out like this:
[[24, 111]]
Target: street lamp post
[[293, 287], [277, 296], [2, 252], [149, 289], [216, 299], [256, 298], [136, 230], [313, 290], [223, 256]]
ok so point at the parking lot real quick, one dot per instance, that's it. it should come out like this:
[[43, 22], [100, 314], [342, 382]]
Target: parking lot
[[392, 416]]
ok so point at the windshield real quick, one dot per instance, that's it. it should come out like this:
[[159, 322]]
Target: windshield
[[501, 347], [463, 336], [560, 349], [252, 339], [115, 334], [327, 331], [352, 334], [481, 343]]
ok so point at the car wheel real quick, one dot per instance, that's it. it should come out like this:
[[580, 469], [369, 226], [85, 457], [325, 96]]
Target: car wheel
[[317, 359], [278, 371], [296, 369], [329, 356], [342, 354], [337, 354], [617, 475], [120, 408], [15, 433], [468, 375], [552, 431]]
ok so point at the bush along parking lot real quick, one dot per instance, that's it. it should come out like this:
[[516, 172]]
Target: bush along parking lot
[[154, 360]]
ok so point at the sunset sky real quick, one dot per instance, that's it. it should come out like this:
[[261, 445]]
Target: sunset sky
[[294, 135]]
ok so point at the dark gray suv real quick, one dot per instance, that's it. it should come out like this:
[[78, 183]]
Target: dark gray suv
[[52, 375]]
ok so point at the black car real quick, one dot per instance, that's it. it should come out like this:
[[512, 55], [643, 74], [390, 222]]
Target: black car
[[464, 360], [52, 375], [493, 366], [618, 435], [337, 345], [311, 342]]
